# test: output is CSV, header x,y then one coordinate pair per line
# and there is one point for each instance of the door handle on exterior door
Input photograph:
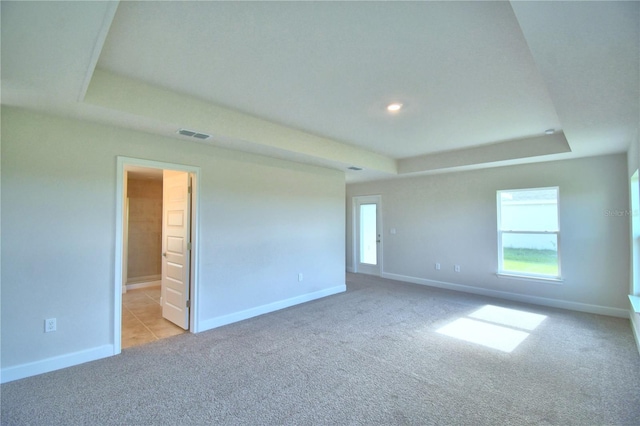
x,y
164,254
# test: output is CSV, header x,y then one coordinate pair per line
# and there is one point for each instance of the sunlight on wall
x,y
494,327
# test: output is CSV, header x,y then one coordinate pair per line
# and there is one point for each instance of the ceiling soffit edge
x,y
126,95
110,12
490,153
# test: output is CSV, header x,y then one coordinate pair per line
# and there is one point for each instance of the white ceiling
x,y
480,81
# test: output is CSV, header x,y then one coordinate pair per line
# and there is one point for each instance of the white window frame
x,y
516,274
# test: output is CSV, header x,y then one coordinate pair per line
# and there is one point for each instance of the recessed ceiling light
x,y
394,107
550,131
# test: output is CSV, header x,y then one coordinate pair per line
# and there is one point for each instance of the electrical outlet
x,y
437,266
456,268
49,325
300,277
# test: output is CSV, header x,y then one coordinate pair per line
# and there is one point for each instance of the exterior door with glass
x,y
368,233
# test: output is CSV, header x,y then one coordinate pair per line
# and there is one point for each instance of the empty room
x,y
320,213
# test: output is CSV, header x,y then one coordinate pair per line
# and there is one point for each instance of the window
x,y
529,233
635,233
635,241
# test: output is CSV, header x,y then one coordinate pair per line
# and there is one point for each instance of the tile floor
x,y
142,320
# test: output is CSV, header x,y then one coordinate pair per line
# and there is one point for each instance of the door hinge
x,y
188,304
188,246
189,189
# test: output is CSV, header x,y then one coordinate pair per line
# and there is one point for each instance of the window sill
x,y
549,280
635,303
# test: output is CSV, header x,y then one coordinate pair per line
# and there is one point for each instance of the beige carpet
x,y
381,353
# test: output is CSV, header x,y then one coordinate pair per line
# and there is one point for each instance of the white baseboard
x,y
144,284
21,371
535,300
265,309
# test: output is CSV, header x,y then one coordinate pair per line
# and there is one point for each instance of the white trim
x,y
29,369
125,233
270,307
351,269
194,292
122,163
354,236
119,259
144,284
107,19
542,278
554,303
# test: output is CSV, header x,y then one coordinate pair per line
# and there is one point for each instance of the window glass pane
x,y
635,231
368,234
635,206
529,210
530,253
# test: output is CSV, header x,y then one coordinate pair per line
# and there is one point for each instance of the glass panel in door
x,y
368,234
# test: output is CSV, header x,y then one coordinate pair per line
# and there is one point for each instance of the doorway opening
x,y
367,244
156,256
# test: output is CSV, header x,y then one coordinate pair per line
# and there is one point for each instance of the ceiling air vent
x,y
193,134
355,168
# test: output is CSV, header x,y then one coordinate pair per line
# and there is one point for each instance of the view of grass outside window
x,y
528,232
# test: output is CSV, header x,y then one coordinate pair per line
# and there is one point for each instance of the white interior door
x,y
368,240
176,250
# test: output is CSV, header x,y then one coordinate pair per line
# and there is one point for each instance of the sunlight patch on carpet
x,y
509,317
494,327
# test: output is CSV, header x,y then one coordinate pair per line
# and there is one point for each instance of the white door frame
x,y
122,164
356,231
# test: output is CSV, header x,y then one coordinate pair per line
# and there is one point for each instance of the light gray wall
x,y
451,219
262,221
